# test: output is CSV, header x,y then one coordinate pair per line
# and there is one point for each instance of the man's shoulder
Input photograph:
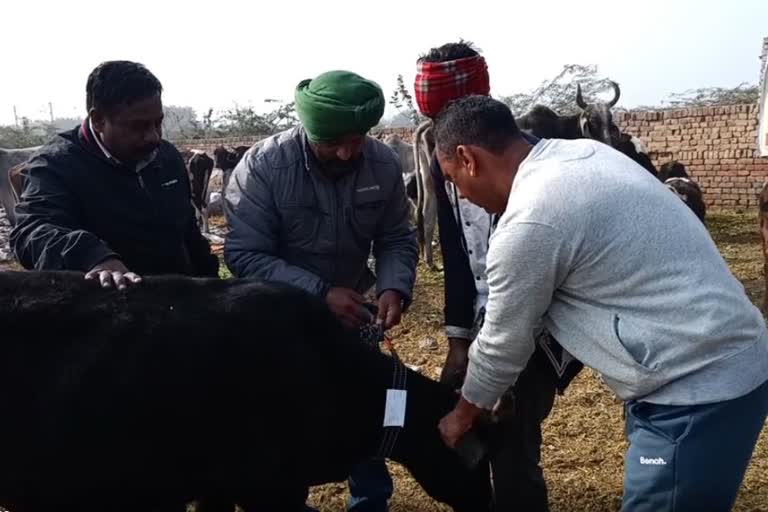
x,y
169,149
64,143
381,156
169,154
278,151
376,149
557,163
558,151
63,150
275,152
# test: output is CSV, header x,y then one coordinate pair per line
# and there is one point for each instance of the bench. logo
x,y
658,461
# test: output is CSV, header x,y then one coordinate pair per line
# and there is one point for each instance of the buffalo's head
x,y
596,120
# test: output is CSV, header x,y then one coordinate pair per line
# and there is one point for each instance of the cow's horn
x,y
616,94
579,99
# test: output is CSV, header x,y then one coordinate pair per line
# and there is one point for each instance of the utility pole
x,y
15,117
50,110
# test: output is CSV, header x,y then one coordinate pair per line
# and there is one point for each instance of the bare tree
x,y
402,100
283,117
709,96
559,92
181,122
30,133
245,121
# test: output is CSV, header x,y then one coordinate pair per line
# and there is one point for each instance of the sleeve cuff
x,y
406,298
323,289
477,391
453,331
98,255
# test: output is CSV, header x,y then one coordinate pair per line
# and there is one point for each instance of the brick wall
x,y
208,145
406,134
716,144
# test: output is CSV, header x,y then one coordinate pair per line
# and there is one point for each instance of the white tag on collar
x,y
394,411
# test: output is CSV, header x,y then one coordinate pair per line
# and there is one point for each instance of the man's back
x,y
644,295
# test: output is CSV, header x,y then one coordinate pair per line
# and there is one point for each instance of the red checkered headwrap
x,y
437,83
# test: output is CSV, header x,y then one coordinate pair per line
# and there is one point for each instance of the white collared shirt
x,y
476,225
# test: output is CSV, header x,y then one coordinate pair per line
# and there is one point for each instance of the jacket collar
x,y
95,137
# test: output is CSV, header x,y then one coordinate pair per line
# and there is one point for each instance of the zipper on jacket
x,y
143,186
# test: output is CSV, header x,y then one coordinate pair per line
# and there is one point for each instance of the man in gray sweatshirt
x,y
629,281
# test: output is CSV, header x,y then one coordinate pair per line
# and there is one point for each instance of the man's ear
x,y
98,119
467,159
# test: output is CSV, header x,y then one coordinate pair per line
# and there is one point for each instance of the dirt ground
x,y
583,444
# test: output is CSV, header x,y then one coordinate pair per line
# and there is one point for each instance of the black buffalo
x,y
179,389
227,160
594,120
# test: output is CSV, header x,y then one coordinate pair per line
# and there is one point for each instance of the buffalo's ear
x,y
477,444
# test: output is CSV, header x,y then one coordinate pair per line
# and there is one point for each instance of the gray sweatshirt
x,y
623,275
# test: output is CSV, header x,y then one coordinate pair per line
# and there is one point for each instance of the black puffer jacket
x,y
79,208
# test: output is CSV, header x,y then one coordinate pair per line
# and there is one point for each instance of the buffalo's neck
x,y
367,376
427,403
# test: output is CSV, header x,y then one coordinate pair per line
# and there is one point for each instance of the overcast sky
x,y
215,53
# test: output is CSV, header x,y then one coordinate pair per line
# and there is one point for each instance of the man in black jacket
x,y
110,197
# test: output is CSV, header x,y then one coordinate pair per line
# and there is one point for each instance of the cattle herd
x,y
257,455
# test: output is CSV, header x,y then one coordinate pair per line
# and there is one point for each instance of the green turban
x,y
338,103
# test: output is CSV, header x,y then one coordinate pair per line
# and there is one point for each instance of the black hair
x,y
451,51
475,120
119,82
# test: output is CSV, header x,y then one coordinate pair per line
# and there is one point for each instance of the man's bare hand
x,y
347,305
458,422
112,273
390,309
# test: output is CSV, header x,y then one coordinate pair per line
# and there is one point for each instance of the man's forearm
x,y
48,247
489,376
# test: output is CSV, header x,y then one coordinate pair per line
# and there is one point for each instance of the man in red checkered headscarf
x,y
449,72
440,81
446,73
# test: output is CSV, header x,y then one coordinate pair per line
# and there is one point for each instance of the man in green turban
x,y
338,104
309,206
